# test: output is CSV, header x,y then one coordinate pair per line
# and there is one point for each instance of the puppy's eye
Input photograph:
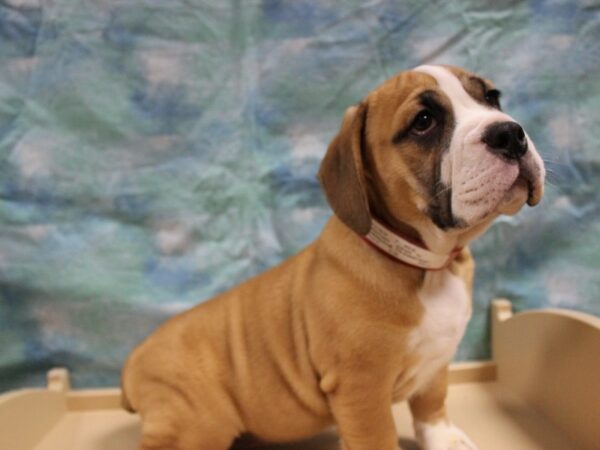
x,y
423,123
492,97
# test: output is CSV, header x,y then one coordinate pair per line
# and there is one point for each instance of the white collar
x,y
401,249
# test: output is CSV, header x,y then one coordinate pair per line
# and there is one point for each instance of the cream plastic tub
x,y
540,391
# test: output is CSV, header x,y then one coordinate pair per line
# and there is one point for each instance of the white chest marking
x,y
447,310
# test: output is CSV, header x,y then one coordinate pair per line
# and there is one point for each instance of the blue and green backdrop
x,y
156,152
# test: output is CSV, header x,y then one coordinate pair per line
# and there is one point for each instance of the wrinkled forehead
x,y
464,89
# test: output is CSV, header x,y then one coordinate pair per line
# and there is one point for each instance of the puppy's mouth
x,y
527,188
497,187
532,178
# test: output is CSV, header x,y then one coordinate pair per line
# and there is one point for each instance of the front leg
x,y
433,430
362,411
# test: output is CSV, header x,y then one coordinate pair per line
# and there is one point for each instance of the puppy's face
x,y
431,144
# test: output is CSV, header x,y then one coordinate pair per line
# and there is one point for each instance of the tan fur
x,y
319,339
430,407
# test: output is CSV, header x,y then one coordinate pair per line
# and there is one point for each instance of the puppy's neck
x,y
422,230
347,250
418,228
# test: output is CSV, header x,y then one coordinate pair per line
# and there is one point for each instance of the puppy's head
x,y
431,146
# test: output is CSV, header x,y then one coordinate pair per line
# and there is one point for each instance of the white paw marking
x,y
442,436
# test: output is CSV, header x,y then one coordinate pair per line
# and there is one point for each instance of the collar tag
x,y
405,251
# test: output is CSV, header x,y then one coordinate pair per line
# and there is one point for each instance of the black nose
x,y
507,139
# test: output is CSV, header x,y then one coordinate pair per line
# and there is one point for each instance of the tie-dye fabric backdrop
x,y
156,152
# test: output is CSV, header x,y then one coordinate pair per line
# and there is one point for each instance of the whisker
x,y
552,172
556,179
556,163
441,192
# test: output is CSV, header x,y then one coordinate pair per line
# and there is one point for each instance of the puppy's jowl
x,y
372,311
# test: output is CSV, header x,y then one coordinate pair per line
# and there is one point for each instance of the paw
x,y
442,436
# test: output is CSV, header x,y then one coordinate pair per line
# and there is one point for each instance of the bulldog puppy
x,y
373,310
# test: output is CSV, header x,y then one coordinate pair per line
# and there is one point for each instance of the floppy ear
x,y
342,173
